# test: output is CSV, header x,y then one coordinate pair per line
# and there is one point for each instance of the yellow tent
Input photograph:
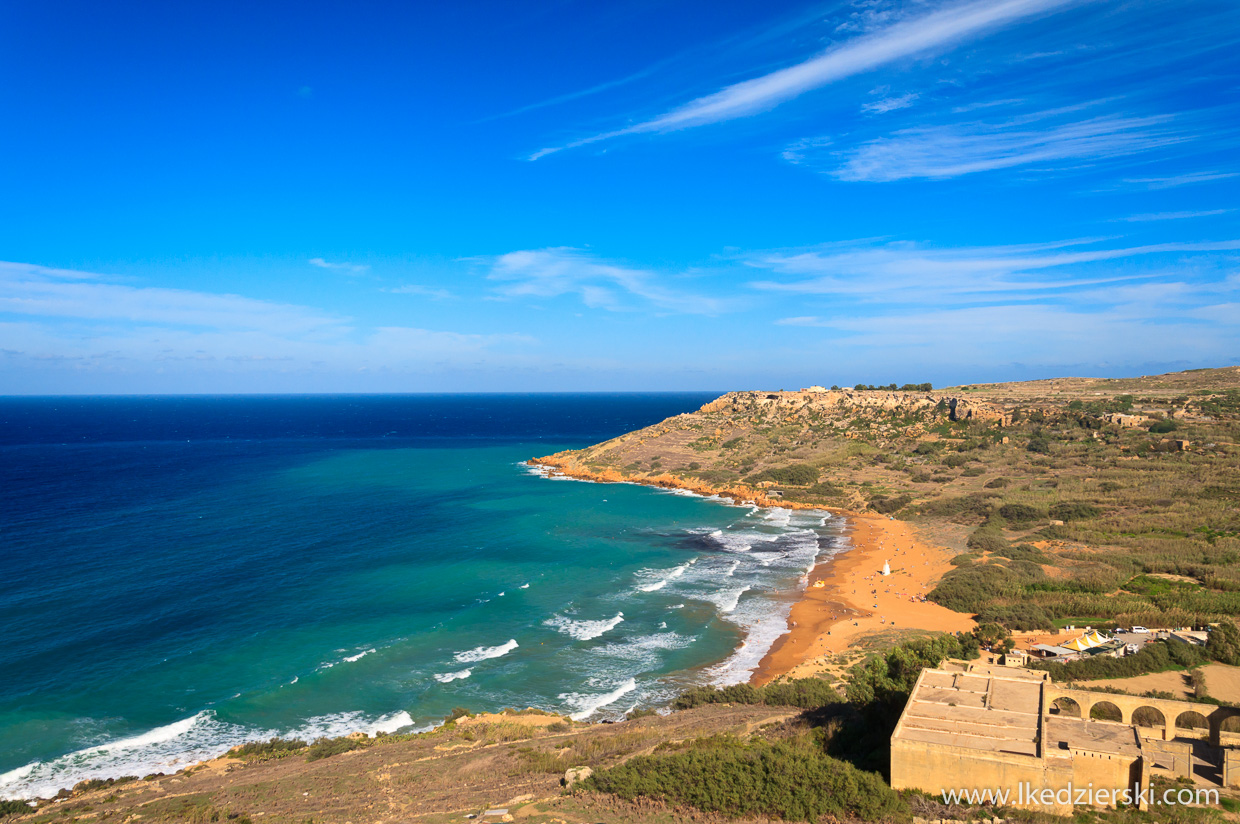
x,y
1089,640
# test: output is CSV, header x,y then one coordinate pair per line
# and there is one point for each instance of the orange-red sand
x,y
856,599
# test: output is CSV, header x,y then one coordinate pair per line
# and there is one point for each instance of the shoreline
x,y
846,597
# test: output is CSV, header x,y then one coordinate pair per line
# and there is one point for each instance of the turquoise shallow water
x,y
169,599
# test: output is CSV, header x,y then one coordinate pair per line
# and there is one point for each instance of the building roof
x,y
1053,650
976,710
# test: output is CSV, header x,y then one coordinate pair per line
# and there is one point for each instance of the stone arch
x,y
1148,717
1063,705
1230,723
1191,720
1105,711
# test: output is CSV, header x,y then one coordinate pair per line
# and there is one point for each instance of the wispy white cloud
x,y
547,273
901,273
937,30
890,104
419,289
350,268
1180,180
79,318
27,289
1043,333
1154,216
939,152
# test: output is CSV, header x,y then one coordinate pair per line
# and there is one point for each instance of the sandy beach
x,y
848,597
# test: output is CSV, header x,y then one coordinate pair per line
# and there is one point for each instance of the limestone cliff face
x,y
838,402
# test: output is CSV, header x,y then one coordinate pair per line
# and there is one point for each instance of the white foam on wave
x,y
778,516
586,704
359,656
726,600
739,541
446,677
174,746
524,586
640,654
772,551
663,576
483,653
584,630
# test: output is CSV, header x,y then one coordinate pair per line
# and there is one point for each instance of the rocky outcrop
x,y
840,402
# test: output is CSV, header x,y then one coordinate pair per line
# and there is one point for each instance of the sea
x,y
179,575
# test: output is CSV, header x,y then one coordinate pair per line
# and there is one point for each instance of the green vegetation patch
x,y
792,780
807,693
793,475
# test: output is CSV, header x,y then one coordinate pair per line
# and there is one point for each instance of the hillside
x,y
1063,496
509,760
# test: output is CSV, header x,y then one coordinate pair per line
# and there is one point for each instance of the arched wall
x,y
1128,704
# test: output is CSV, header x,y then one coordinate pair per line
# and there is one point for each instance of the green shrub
x,y
973,472
1022,616
645,712
826,489
734,694
996,483
1223,644
791,780
13,807
987,538
970,589
327,747
955,460
1039,444
271,747
807,693
1075,511
885,505
1024,552
793,475
1021,513
1163,427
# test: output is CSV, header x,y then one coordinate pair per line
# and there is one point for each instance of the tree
x,y
989,635
1224,643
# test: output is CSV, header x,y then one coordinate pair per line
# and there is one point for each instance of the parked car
x,y
1141,630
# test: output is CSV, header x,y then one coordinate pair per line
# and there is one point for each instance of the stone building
x,y
971,726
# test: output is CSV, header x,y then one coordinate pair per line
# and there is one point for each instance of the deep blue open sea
x,y
182,574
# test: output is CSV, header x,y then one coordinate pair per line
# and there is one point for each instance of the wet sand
x,y
856,599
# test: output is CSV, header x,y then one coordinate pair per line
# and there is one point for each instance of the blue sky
x,y
375,197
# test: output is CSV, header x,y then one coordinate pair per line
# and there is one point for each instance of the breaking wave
x,y
584,630
586,705
174,746
664,576
483,653
446,677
